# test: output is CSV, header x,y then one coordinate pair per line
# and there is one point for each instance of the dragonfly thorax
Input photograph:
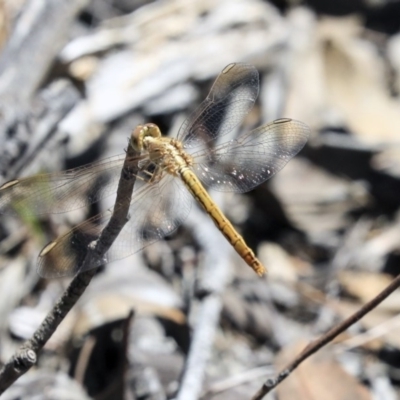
x,y
166,153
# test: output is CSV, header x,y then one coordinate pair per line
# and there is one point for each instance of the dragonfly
x,y
169,173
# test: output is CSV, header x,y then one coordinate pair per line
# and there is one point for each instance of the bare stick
x,y
208,305
27,354
33,132
125,366
39,34
317,344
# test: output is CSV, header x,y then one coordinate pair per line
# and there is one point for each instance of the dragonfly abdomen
x,y
200,194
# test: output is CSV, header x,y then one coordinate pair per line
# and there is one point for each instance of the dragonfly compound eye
x,y
137,138
152,130
141,132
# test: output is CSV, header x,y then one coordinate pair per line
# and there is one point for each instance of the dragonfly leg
x,y
156,175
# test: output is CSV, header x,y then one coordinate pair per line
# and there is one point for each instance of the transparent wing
x,y
62,191
156,210
242,164
231,98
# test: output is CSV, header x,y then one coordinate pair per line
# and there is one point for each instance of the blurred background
x,y
77,76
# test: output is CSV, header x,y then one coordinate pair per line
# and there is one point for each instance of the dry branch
x,y
27,355
317,344
209,304
40,32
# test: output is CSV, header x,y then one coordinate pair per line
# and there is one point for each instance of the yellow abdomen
x,y
200,194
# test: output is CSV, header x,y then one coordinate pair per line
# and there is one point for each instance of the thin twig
x,y
119,388
317,344
376,332
233,381
208,306
125,368
83,359
27,354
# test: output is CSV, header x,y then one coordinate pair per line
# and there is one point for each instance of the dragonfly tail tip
x,y
259,269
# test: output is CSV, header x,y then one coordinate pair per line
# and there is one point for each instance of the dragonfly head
x,y
141,132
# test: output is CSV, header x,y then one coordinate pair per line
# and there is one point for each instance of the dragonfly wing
x,y
156,210
62,191
242,164
231,98
156,214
